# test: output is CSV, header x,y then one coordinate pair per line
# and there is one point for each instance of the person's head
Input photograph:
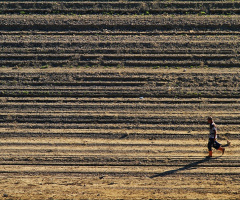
x,y
210,120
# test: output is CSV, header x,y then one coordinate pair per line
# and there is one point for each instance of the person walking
x,y
213,138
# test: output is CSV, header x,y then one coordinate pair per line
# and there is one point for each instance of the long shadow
x,y
186,167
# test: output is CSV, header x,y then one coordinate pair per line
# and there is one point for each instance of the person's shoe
x,y
210,154
221,149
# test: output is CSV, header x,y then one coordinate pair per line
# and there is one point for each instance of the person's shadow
x,y
186,167
189,166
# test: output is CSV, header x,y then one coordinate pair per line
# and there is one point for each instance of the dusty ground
x,y
83,147
109,100
73,168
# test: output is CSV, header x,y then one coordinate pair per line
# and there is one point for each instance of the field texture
x,y
109,99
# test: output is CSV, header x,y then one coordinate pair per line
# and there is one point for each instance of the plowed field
x,y
109,99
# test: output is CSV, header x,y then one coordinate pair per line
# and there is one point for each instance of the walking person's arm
x,y
215,134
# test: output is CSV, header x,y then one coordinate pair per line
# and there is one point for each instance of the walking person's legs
x,y
210,144
217,146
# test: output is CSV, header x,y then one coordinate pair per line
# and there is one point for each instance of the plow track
x,y
119,41
109,99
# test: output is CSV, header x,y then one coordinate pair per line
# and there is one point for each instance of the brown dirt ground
x,y
124,160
